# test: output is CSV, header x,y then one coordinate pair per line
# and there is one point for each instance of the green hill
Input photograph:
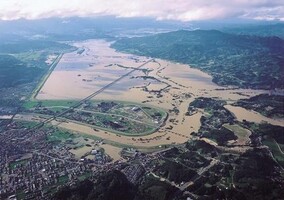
x,y
260,30
240,60
14,72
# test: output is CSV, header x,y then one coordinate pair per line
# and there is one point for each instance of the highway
x,y
44,79
89,97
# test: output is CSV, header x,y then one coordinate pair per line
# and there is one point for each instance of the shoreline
x,y
45,77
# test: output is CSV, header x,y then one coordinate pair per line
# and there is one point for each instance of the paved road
x,y
90,96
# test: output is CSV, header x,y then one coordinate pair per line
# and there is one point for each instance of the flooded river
x,y
170,86
252,116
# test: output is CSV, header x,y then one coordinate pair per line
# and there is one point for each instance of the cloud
x,y
183,10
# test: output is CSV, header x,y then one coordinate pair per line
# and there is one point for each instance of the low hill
x,y
240,60
265,30
14,72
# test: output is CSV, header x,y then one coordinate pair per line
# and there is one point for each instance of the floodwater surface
x,y
167,85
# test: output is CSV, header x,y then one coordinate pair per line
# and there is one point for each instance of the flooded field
x,y
80,73
160,83
112,151
252,116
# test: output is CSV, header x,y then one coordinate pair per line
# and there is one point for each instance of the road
x,y
199,174
44,79
110,114
90,96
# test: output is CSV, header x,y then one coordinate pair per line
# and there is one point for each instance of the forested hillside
x,y
240,60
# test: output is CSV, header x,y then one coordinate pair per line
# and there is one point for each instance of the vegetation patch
x,y
47,103
275,149
212,123
14,72
269,135
242,133
119,117
60,135
267,105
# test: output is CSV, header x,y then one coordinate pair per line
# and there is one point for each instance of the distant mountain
x,y
240,60
259,30
81,28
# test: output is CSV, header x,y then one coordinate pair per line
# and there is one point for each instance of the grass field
x,y
123,118
27,124
60,135
239,131
242,133
275,149
48,103
13,165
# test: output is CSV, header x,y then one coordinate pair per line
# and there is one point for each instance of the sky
x,y
181,10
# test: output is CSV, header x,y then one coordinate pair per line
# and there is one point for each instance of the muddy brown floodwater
x,y
167,85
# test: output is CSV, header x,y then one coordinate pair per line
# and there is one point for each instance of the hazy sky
x,y
183,10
